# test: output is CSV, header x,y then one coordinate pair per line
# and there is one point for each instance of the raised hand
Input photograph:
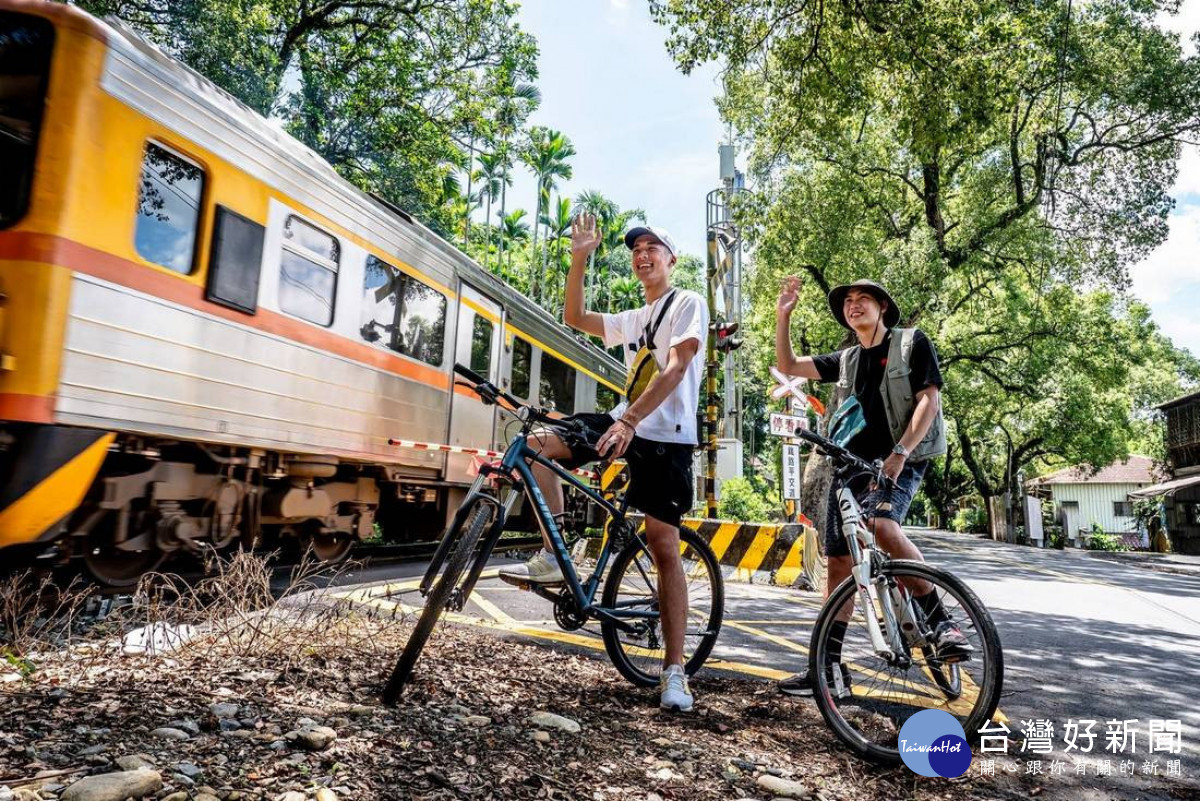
x,y
788,294
585,236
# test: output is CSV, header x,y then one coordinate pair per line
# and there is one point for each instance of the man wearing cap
x,y
894,375
654,428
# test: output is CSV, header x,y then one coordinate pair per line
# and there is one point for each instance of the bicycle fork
x,y
887,645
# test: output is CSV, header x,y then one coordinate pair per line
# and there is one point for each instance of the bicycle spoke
x,y
884,692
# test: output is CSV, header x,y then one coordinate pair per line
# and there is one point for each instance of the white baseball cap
x,y
646,230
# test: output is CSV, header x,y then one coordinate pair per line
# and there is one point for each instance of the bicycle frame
x,y
889,645
515,468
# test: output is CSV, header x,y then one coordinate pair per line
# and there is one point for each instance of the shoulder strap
x,y
907,335
651,332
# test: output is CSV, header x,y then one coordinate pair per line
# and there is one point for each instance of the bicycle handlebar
x,y
845,457
489,393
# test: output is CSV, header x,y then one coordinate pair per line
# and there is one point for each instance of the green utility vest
x,y
896,389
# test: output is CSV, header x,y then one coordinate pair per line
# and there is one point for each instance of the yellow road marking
x,y
503,622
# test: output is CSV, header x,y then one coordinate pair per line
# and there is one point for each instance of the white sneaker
x,y
541,569
673,685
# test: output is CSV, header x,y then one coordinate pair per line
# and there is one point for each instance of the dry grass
x,y
242,609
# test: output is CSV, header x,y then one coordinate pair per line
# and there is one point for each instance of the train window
x,y
235,262
606,398
401,313
557,385
308,272
25,46
481,345
168,209
522,367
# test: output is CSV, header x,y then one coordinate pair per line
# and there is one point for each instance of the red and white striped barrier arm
x,y
434,446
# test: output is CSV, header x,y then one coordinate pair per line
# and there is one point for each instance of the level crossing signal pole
x,y
723,284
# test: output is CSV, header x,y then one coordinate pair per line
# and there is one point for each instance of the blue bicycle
x,y
628,611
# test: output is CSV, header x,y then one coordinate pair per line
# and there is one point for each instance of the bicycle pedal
x,y
517,581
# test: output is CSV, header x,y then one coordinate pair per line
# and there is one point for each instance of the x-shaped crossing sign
x,y
788,385
794,386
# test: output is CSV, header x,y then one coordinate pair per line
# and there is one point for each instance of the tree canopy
x,y
998,166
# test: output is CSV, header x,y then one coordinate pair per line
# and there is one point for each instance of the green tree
x,y
491,175
996,165
557,221
546,156
518,102
515,231
393,94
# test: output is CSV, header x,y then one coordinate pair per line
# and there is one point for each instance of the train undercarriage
x,y
151,499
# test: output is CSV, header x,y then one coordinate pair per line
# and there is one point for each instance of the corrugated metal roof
x,y
1134,470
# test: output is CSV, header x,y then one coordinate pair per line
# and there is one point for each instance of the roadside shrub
x,y
1055,537
969,520
1098,540
740,501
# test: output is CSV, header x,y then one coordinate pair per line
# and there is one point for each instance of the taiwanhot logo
x,y
932,743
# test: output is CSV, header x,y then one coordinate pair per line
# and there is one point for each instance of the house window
x,y
522,367
557,385
308,272
403,314
168,212
1123,508
1191,513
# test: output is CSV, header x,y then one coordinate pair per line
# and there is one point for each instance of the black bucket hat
x,y
837,298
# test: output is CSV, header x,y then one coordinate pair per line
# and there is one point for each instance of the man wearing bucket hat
x,y
654,427
889,400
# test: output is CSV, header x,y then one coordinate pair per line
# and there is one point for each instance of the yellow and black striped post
x,y
710,386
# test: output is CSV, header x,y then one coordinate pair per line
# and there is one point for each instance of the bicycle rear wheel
x,y
443,589
867,698
632,586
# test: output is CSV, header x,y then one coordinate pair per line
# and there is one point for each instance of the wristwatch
x,y
900,449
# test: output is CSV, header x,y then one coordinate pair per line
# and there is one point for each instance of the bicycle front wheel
x,y
632,588
866,698
459,554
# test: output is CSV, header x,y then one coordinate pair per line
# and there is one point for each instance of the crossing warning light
x,y
726,336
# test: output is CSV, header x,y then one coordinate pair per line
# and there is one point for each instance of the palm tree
x,y
546,156
592,202
514,229
491,175
626,292
517,104
557,220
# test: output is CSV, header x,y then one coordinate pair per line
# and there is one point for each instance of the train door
x,y
477,345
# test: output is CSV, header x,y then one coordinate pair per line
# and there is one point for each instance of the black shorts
x,y
660,473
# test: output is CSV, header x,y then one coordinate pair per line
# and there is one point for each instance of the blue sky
x,y
647,137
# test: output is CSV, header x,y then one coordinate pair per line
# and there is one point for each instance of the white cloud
x,y
1169,279
616,12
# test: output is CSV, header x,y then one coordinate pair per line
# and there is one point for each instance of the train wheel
x,y
113,567
330,548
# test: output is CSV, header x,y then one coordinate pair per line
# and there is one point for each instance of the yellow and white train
x,y
208,337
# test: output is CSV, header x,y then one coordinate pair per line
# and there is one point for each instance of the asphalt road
x,y
1084,639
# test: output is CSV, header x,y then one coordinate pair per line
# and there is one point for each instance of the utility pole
x,y
724,291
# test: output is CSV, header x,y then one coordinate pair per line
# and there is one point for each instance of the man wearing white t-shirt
x,y
655,433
